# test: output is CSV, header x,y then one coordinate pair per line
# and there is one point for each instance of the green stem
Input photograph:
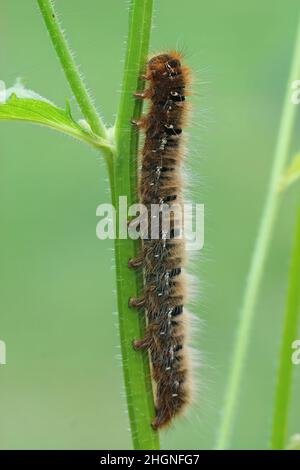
x,y
71,70
259,256
123,182
132,323
284,379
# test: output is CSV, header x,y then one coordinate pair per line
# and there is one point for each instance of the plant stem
x,y
284,379
132,323
71,70
259,256
123,181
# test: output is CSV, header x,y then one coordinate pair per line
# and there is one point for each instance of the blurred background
x,y
62,387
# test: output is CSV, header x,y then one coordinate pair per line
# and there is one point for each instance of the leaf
x,y
20,91
291,174
20,104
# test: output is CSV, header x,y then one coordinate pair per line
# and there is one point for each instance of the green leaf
x,y
292,173
41,111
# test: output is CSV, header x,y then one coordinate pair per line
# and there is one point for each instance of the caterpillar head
x,y
165,65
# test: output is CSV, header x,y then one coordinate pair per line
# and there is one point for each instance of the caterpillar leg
x,y
138,123
141,344
141,95
136,263
136,302
162,419
155,424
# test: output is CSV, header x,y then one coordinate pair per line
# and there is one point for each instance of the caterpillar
x,y
164,258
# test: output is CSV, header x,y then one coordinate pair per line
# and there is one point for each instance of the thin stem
x,y
284,379
71,70
259,256
132,323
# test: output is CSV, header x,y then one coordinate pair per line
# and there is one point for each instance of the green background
x,y
62,386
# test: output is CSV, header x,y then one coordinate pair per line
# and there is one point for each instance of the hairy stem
x,y
259,257
132,323
70,68
291,320
122,170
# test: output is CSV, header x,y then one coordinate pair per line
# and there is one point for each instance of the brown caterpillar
x,y
162,259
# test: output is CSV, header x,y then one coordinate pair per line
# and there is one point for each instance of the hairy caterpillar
x,y
162,259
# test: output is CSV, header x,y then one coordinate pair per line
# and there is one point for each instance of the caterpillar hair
x,y
164,258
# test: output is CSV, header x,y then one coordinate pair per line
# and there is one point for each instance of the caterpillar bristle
x,y
163,259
